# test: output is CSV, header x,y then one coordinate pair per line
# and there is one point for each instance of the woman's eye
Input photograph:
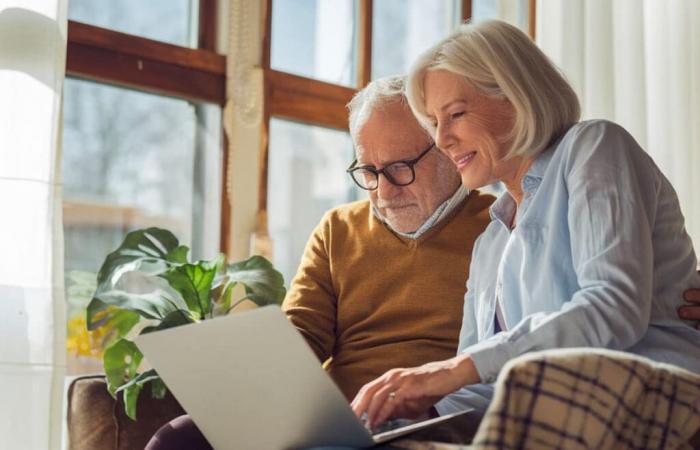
x,y
457,115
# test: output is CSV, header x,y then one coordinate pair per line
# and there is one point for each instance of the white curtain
x,y
636,62
32,322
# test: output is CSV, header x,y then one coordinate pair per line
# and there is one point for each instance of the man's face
x,y
392,134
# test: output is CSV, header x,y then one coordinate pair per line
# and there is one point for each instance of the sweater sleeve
x,y
311,301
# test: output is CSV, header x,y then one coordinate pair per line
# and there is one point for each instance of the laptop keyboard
x,y
389,425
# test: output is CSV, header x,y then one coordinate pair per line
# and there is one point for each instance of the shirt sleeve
x,y
475,396
612,189
311,302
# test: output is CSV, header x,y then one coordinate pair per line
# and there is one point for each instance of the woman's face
x,y
471,128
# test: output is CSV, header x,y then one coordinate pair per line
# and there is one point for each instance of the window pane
x,y
306,178
512,11
172,21
402,29
131,160
315,39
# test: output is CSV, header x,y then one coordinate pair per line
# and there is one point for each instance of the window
x,y
402,29
142,140
307,164
315,39
515,12
161,20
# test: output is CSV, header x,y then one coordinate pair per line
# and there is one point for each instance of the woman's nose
x,y
443,137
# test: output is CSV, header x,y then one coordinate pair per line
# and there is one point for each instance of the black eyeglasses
x,y
398,173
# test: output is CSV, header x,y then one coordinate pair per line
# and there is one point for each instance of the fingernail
x,y
683,313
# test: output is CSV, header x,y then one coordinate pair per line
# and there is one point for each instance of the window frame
x,y
196,74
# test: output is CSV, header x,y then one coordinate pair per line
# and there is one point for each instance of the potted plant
x,y
148,284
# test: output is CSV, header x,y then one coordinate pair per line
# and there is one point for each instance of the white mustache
x,y
393,203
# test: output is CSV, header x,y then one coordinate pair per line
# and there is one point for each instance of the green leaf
x,y
174,319
121,361
80,286
118,323
263,284
193,282
178,255
222,296
152,305
132,390
148,249
158,388
123,321
131,398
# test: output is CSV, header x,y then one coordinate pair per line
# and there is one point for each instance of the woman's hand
x,y
411,392
691,311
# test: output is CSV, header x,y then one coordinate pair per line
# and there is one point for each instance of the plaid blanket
x,y
591,399
587,399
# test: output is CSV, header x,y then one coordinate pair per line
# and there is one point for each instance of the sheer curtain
x,y
636,62
32,330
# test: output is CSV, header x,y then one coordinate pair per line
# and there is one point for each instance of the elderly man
x,y
381,281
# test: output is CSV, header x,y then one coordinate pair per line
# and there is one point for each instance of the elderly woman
x,y
586,247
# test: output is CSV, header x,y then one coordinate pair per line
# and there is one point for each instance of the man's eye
x,y
457,115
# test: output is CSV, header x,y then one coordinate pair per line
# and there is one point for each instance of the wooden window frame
x,y
109,56
466,10
532,18
121,59
195,74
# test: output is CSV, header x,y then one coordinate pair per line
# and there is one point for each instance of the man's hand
x,y
691,311
411,392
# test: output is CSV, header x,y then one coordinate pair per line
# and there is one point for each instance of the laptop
x,y
250,381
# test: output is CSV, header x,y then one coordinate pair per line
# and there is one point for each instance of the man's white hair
x,y
502,62
374,97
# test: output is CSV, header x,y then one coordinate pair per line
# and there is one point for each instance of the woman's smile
x,y
464,159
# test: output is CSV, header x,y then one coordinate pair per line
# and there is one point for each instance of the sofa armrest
x,y
97,421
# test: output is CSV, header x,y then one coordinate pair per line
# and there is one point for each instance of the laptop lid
x,y
249,380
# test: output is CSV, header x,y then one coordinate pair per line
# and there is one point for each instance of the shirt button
x,y
530,183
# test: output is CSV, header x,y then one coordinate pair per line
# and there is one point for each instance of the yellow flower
x,y
82,342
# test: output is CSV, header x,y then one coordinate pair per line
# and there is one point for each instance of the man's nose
x,y
385,189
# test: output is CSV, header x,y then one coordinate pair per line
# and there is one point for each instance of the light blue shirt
x,y
599,257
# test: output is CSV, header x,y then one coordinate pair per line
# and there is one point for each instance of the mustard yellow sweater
x,y
371,300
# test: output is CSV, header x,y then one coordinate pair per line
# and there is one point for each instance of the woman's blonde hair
x,y
503,62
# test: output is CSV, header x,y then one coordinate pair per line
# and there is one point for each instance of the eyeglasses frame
x,y
409,162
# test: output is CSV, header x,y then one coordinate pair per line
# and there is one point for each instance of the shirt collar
x,y
539,166
438,215
504,207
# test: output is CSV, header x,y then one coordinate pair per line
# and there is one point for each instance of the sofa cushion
x,y
97,421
